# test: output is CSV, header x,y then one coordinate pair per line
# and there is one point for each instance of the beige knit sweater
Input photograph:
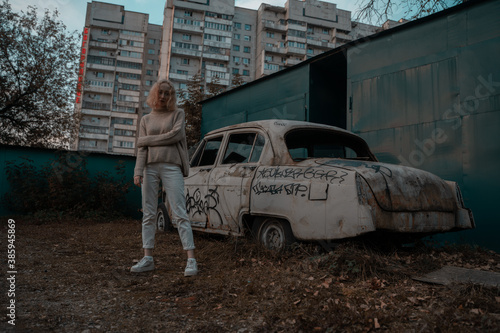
x,y
162,138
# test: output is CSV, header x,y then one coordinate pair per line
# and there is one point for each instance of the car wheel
x,y
275,234
163,222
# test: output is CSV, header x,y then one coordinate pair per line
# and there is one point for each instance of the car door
x,y
230,180
199,198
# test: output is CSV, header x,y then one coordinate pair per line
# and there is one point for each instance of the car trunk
x,y
398,188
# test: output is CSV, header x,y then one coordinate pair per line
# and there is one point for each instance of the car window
x,y
239,148
257,148
243,148
314,143
208,154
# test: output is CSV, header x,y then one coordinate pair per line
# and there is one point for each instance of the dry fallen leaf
x,y
375,323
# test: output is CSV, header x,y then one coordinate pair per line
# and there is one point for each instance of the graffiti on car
x,y
198,204
331,176
288,189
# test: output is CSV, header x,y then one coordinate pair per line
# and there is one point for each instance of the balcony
x,y
128,104
274,26
186,52
217,68
218,32
320,44
295,50
110,67
214,56
296,27
279,50
292,62
100,90
218,81
197,29
217,44
180,77
103,45
93,136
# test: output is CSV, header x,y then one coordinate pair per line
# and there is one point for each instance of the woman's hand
x,y
138,180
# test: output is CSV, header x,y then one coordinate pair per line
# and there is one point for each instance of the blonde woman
x,y
162,155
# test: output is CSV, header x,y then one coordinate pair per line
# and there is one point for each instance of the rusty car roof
x,y
278,126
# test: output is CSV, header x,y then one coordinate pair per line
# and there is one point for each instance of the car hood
x,y
399,188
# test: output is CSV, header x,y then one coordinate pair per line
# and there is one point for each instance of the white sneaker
x,y
191,267
144,265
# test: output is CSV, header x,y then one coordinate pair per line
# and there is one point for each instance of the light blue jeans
x,y
173,183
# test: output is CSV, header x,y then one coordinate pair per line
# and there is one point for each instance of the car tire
x,y
274,234
163,222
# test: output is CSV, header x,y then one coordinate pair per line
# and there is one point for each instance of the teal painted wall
x,y
95,163
428,96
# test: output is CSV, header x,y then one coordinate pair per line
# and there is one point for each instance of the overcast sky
x,y
72,12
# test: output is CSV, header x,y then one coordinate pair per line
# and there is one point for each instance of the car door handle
x,y
205,169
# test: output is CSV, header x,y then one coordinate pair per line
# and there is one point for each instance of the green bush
x,y
61,188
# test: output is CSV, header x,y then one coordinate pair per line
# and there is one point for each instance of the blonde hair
x,y
153,97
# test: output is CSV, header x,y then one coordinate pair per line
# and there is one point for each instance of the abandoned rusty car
x,y
290,180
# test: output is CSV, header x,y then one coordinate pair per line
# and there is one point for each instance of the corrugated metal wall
x,y
428,96
425,94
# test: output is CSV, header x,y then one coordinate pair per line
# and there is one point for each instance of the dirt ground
x,y
73,276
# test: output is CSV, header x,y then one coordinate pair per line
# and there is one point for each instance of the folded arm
x,y
165,139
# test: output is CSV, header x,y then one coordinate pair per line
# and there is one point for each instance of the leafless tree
x,y
378,11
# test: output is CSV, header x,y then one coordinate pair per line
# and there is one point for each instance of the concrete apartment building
x,y
216,39
119,64
123,55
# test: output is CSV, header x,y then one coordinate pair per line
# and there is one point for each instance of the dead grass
x,y
74,276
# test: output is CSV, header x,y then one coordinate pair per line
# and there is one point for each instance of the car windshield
x,y
319,143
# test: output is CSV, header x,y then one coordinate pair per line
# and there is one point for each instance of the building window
x,y
182,72
182,86
270,34
236,59
186,37
151,62
236,47
248,27
269,58
246,61
269,45
152,41
149,82
236,71
130,54
248,38
151,51
237,36
185,61
122,132
126,144
310,29
326,31
246,49
99,74
246,72
310,51
237,25
188,13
